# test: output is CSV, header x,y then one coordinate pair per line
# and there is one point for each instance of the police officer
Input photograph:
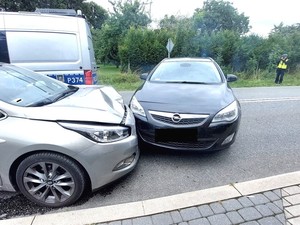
x,y
281,68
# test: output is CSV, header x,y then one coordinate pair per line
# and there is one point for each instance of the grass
x,y
111,75
267,80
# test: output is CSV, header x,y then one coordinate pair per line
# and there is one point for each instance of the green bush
x,y
112,76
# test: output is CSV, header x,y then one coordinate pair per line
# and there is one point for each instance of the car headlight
x,y
99,133
136,107
228,114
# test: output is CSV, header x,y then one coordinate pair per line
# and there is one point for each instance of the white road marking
x,y
281,99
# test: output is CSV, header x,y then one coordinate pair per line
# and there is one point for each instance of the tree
x,y
129,14
106,44
31,5
95,14
250,55
286,39
141,49
125,15
18,5
185,39
219,15
169,22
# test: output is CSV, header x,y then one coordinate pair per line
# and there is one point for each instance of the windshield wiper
x,y
66,93
46,101
187,82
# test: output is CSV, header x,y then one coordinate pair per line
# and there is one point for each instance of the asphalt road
x,y
267,144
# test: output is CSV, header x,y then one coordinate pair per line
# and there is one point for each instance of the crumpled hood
x,y
185,98
89,103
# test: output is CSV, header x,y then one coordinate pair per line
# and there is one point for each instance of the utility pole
x,y
169,46
150,4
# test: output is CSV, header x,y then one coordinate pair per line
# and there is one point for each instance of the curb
x,y
159,205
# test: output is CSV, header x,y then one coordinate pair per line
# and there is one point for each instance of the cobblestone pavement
x,y
267,201
276,207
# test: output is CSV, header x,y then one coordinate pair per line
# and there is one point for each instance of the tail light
x,y
88,77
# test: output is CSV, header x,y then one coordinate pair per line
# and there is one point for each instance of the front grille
x,y
199,145
168,120
185,119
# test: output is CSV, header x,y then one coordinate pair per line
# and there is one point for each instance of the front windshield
x,y
22,87
186,72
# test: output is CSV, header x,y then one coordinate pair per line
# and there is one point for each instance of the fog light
x,y
124,163
228,139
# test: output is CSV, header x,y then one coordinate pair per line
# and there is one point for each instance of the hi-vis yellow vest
x,y
282,64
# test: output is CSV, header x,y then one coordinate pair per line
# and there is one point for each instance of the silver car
x,y
58,141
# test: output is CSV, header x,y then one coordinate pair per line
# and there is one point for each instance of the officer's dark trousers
x,y
279,75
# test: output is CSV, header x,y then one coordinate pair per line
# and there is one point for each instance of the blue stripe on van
x,y
75,79
95,78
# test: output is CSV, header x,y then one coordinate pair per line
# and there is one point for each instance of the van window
x,y
3,48
32,46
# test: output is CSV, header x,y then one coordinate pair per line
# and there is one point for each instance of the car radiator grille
x,y
181,122
178,119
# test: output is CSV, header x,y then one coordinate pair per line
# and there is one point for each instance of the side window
x,y
3,48
29,47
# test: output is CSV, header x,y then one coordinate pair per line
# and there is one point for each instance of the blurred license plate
x,y
176,135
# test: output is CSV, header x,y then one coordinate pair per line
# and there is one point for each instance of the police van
x,y
54,42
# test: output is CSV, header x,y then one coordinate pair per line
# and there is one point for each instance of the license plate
x,y
176,135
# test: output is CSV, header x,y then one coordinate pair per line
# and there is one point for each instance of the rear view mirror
x,y
231,78
144,76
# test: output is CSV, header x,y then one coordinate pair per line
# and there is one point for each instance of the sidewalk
x,y
268,201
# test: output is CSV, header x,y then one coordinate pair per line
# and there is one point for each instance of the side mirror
x,y
231,78
2,115
144,76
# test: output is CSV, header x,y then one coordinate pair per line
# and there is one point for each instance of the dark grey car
x,y
187,104
58,140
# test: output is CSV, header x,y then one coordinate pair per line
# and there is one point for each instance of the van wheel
x,y
50,179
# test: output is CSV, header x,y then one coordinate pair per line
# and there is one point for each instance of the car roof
x,y
189,59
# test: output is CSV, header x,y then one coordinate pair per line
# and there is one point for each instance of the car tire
x,y
50,179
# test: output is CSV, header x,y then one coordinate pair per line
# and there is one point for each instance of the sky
x,y
263,14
